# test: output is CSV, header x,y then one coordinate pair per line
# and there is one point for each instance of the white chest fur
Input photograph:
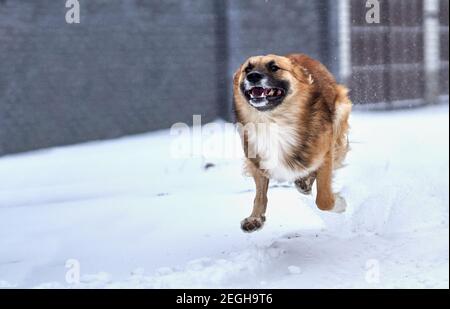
x,y
273,143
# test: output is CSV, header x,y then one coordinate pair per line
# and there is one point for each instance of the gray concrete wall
x,y
133,66
258,27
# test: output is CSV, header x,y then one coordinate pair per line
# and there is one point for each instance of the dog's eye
x,y
274,67
248,69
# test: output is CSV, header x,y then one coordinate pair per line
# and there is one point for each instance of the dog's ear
x,y
317,76
237,116
236,76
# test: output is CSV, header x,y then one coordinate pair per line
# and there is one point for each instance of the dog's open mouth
x,y
260,93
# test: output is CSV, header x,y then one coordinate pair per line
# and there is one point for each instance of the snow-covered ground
x,y
130,215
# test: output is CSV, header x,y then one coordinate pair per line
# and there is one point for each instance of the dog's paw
x,y
340,205
252,224
304,185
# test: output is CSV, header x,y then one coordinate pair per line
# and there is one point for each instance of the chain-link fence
x,y
136,66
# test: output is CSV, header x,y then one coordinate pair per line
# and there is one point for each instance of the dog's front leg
x,y
257,218
326,200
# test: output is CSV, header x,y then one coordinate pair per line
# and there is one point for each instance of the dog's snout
x,y
254,77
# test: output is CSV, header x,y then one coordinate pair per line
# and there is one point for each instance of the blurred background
x,y
133,66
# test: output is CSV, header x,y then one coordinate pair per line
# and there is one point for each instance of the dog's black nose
x,y
254,77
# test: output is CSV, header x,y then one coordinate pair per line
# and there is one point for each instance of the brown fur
x,y
317,109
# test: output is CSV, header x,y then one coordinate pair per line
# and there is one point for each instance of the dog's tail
x,y
343,107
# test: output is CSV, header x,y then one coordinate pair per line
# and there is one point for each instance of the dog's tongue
x,y
257,91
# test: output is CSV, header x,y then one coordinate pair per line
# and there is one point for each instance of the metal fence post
x,y
431,50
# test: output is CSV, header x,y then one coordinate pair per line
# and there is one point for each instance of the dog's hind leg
x,y
304,185
257,218
326,200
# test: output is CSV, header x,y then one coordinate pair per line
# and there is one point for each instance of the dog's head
x,y
266,82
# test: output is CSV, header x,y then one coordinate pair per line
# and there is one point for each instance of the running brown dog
x,y
293,121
